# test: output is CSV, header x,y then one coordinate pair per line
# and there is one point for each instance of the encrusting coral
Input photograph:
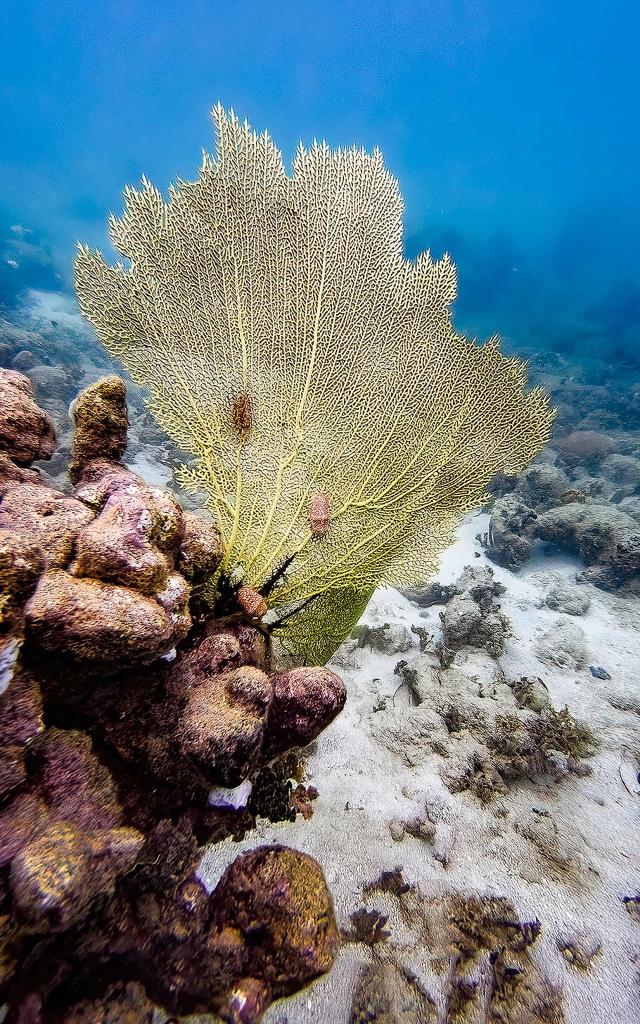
x,y
111,742
339,425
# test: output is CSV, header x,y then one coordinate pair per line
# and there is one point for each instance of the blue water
x,y
511,125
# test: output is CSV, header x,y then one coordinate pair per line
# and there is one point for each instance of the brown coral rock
x,y
52,383
223,722
121,1004
100,622
305,701
12,769
11,474
19,822
24,360
26,432
277,899
136,536
21,562
60,872
51,876
101,478
585,445
165,527
116,547
100,420
20,700
386,994
254,643
246,1001
48,518
201,549
174,598
214,654
76,786
102,824
226,646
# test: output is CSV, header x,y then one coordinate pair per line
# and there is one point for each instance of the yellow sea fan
x,y
288,344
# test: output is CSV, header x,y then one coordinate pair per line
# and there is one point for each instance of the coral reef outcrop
x,y
124,701
26,432
603,534
471,617
607,539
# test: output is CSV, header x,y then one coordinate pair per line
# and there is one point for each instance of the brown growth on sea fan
x,y
251,601
242,414
320,515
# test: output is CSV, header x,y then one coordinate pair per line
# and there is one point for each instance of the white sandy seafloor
x,y
364,786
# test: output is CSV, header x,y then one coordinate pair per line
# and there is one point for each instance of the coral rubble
x,y
124,703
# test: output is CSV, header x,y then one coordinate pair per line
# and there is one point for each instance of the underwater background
x,y
510,125
457,794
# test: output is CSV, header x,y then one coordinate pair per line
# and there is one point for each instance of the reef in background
x,y
123,704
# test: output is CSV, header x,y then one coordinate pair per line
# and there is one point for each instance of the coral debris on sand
x,y
111,742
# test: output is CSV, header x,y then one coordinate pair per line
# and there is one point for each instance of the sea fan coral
x,y
288,344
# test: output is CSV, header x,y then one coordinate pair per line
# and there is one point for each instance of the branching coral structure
x,y
338,423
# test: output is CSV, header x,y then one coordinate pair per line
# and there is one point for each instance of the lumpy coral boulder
x,y
511,532
100,419
119,596
223,722
50,519
124,698
67,847
304,701
59,873
119,546
26,432
471,617
94,621
606,538
604,535
277,899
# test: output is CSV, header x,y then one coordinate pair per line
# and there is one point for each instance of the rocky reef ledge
x,y
123,703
